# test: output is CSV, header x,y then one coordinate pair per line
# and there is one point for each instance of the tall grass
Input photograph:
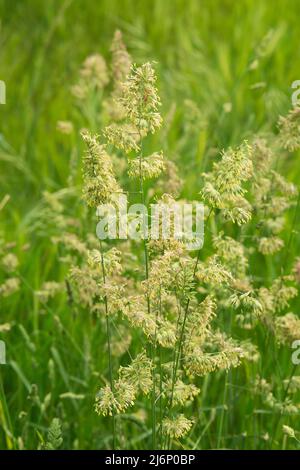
x,y
224,72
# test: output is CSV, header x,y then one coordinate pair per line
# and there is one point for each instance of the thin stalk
x,y
223,412
108,332
160,396
283,267
286,391
182,333
184,322
291,232
160,381
153,347
180,341
7,425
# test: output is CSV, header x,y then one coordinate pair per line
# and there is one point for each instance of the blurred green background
x,y
203,51
235,60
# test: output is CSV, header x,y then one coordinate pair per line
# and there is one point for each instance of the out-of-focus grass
x,y
205,51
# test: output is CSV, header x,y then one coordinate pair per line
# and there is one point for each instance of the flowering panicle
x,y
165,333
233,169
275,299
10,262
162,275
140,98
249,308
173,305
9,286
247,301
198,324
86,284
150,166
283,293
250,351
177,427
238,209
289,130
170,181
155,328
5,327
123,136
282,185
72,243
65,127
293,384
120,340
223,188
48,290
265,390
100,184
138,374
272,196
182,393
296,270
204,364
289,431
270,245
52,219
120,68
121,62
214,273
115,292
159,245
287,328
111,260
232,254
110,401
262,157
93,75
206,350
201,362
133,379
138,317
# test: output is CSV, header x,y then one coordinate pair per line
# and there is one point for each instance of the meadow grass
x,y
203,52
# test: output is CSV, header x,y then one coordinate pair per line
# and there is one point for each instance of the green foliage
x,y
224,72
